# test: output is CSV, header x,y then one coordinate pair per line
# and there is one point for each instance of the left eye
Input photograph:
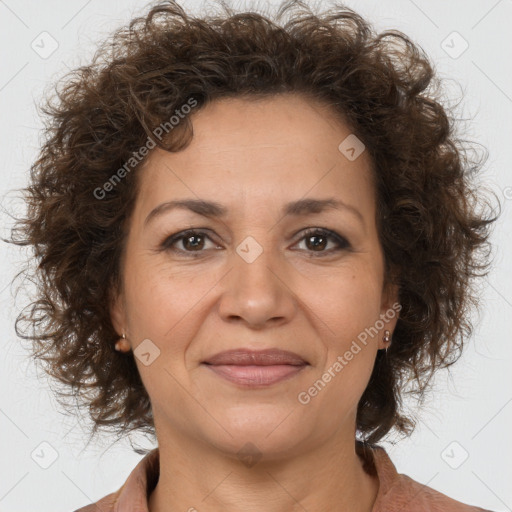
x,y
316,240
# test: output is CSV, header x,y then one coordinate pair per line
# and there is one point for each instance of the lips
x,y
256,369
243,357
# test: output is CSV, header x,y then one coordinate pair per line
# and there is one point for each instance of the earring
x,y
387,339
122,344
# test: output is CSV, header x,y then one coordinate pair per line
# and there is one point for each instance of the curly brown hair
x,y
433,225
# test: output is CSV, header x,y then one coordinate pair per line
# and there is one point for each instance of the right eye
x,y
192,241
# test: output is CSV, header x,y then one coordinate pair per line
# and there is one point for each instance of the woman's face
x,y
254,279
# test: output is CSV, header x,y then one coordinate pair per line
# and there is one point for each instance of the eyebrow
x,y
213,209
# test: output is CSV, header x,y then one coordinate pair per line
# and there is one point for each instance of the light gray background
x,y
471,407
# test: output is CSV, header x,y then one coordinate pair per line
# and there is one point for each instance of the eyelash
x,y
343,244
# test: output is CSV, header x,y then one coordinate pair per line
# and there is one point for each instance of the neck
x,y
199,478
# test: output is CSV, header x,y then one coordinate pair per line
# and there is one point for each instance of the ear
x,y
117,311
390,308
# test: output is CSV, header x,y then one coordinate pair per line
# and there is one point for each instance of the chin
x,y
269,435
256,447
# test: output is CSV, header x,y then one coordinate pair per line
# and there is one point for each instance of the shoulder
x,y
407,494
399,492
133,494
106,504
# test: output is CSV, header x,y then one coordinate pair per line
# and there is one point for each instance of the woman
x,y
251,236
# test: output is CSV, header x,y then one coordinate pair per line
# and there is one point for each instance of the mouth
x,y
244,357
256,368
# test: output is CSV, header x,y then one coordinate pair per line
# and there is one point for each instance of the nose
x,y
258,293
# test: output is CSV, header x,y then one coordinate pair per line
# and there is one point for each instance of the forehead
x,y
285,145
245,124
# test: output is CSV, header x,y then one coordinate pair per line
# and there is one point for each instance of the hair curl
x,y
434,235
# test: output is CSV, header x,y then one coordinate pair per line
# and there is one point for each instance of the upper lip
x,y
244,357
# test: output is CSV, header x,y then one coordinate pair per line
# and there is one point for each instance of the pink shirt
x,y
397,492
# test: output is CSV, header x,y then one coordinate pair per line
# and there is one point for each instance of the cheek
x,y
165,307
348,302
348,309
161,298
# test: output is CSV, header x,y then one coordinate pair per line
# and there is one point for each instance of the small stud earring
x,y
122,344
387,339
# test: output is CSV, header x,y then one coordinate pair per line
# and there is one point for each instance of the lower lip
x,y
255,376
